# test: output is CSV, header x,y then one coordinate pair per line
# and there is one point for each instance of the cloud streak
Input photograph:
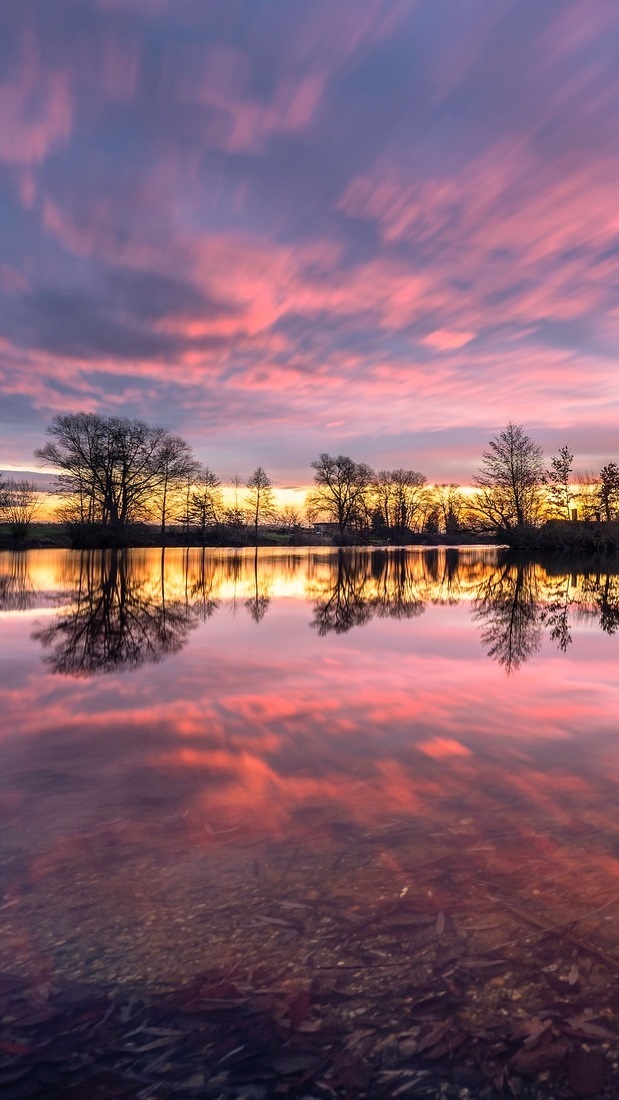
x,y
378,229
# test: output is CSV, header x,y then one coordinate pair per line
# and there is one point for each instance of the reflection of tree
x,y
115,619
362,585
603,590
258,604
398,590
518,600
584,590
445,571
17,592
555,613
132,607
344,605
608,604
508,607
202,591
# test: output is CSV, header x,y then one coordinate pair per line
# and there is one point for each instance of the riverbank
x,y
55,536
564,536
556,536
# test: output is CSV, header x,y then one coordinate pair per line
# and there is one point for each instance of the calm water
x,y
203,755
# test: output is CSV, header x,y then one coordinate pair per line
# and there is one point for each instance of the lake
x,y
341,820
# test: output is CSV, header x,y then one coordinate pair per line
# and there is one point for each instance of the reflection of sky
x,y
115,785
281,228
276,711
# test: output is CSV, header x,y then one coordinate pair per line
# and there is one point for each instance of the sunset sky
x,y
377,227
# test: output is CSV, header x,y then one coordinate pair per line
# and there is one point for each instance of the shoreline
x,y
53,537
553,537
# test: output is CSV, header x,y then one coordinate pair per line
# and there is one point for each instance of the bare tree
x,y
510,480
177,468
259,497
77,448
311,510
289,517
400,497
448,503
235,516
558,480
587,495
112,468
341,489
608,490
20,501
205,507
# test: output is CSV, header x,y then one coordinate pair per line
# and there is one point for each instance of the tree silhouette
x,y
259,498
558,479
400,497
448,501
608,490
113,470
509,482
206,504
341,490
20,502
177,468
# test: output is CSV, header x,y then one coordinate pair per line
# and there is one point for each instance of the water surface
x,y
221,759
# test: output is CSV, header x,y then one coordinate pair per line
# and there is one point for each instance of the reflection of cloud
x,y
277,732
355,758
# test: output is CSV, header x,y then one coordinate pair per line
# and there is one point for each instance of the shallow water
x,y
309,760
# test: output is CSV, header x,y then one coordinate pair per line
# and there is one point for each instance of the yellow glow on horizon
x,y
288,497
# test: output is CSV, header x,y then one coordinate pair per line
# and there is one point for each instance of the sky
x,y
382,228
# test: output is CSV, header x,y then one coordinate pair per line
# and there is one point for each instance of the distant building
x,y
326,528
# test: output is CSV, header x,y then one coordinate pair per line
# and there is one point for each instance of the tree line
x,y
115,472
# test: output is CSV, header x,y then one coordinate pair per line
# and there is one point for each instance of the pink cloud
x,y
447,339
36,108
346,256
236,121
495,225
